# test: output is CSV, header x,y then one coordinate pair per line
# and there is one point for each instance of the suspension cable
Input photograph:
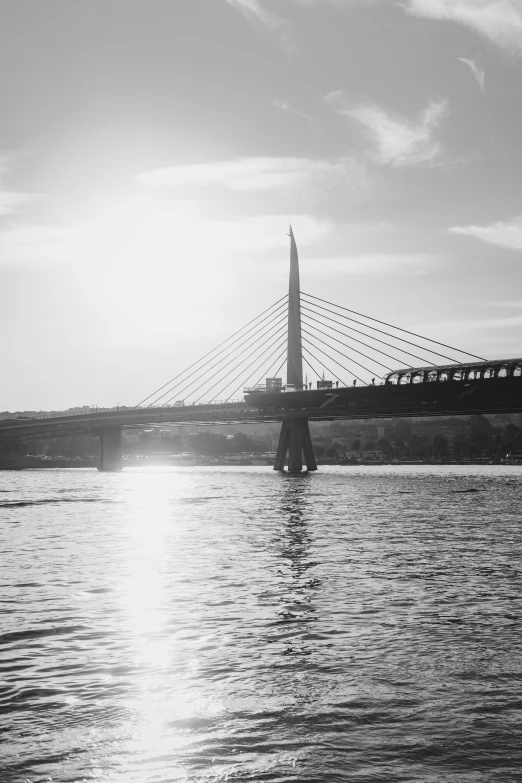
x,y
229,352
327,368
269,370
337,351
280,366
414,334
312,368
220,380
248,367
245,346
215,349
255,371
401,339
233,359
321,350
377,339
355,339
347,346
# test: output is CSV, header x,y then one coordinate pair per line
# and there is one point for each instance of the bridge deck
x,y
452,398
486,395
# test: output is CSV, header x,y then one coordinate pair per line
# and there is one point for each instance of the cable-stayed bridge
x,y
361,367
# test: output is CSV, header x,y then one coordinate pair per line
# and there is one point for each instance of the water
x,y
233,624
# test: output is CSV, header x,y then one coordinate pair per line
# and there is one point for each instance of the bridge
x,y
292,332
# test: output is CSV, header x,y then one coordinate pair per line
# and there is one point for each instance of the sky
x,y
152,155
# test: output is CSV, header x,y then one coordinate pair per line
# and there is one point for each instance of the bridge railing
x,y
107,412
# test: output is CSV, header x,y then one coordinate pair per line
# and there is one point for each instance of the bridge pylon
x,y
294,439
111,457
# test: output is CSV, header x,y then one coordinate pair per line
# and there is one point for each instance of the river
x,y
359,624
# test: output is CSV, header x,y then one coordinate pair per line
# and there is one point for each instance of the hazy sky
x,y
152,153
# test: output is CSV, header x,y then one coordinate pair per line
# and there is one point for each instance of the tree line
x,y
400,442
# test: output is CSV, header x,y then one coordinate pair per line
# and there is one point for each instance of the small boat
x,y
185,458
236,459
266,458
513,458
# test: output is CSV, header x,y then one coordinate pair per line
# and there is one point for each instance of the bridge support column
x,y
294,441
110,449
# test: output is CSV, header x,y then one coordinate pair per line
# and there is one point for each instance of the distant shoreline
x,y
37,464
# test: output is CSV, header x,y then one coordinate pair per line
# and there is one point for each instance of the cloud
x,y
500,21
240,174
268,185
499,233
255,10
285,107
261,11
153,237
476,71
339,3
258,175
399,141
333,96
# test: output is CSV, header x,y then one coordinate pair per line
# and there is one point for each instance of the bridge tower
x,y
294,439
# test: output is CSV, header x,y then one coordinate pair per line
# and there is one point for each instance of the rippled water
x,y
233,624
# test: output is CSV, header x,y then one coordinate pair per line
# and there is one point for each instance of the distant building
x,y
449,428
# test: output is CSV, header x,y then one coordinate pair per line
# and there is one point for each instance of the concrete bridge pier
x,y
295,441
111,455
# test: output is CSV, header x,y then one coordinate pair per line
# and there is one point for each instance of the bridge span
x,y
460,387
488,392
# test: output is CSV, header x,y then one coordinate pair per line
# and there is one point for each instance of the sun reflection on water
x,y
164,690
